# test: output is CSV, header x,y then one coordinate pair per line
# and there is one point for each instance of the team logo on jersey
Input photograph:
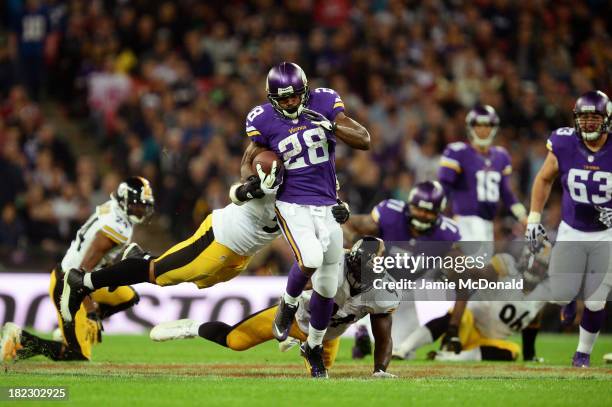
x,y
294,129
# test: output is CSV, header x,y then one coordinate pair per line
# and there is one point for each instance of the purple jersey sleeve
x,y
387,212
391,218
508,197
330,101
558,141
450,165
255,126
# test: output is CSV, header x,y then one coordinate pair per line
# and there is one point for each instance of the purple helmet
x,y
594,102
284,80
484,115
428,195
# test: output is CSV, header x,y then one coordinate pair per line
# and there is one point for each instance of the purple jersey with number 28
x,y
307,151
586,178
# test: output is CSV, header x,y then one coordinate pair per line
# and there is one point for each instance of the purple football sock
x,y
320,311
592,320
296,281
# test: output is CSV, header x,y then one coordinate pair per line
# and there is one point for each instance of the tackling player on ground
x,y
476,176
416,226
218,251
494,315
100,240
355,278
582,157
302,127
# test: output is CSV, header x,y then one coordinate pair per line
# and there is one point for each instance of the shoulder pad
x,y
559,138
114,225
564,131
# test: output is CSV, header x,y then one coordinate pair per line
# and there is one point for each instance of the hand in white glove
x,y
383,375
535,235
318,119
268,180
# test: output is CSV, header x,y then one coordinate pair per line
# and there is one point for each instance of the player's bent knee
x,y
312,260
325,284
595,306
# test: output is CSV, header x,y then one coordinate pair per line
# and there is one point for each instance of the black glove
x,y
451,341
341,212
320,120
250,189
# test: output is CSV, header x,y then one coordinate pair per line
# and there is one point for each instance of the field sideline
x,y
132,370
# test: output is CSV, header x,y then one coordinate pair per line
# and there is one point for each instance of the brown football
x,y
266,158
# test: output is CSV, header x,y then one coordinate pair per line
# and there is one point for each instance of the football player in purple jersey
x,y
302,127
416,226
582,157
476,176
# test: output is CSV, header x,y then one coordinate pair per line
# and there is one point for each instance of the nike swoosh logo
x,y
277,332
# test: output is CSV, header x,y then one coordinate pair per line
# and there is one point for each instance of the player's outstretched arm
x,y
352,133
543,183
383,344
363,225
451,341
98,248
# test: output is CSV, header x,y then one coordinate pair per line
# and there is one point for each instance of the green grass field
x,y
132,370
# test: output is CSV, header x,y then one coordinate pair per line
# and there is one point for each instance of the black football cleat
x,y
134,251
285,313
314,360
72,294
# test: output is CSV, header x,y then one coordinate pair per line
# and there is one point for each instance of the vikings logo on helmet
x,y
135,198
284,80
482,115
428,195
592,102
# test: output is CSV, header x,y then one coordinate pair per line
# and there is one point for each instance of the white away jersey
x,y
347,309
107,219
247,228
514,310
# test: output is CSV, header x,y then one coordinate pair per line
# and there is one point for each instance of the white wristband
x,y
519,211
534,217
232,194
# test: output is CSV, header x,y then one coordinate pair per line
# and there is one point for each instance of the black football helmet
x,y
135,198
359,262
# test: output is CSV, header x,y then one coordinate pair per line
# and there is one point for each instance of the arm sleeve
x,y
333,100
507,195
254,125
450,168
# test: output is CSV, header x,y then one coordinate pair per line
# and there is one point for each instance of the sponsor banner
x,y
24,299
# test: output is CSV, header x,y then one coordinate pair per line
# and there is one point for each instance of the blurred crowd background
x,y
94,90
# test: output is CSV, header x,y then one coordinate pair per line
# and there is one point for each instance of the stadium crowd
x,y
165,86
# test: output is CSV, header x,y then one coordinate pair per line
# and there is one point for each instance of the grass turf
x,y
131,370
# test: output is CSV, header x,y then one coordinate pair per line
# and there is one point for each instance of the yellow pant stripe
x,y
289,236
